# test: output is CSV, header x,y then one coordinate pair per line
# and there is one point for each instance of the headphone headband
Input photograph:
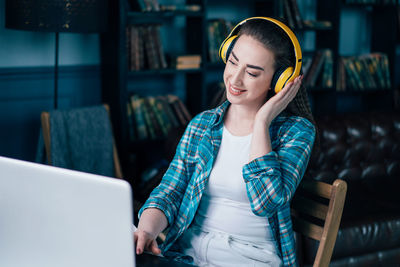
x,y
223,50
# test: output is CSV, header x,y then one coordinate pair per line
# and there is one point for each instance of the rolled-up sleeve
x,y
168,195
272,179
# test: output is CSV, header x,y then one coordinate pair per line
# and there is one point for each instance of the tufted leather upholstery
x,y
363,150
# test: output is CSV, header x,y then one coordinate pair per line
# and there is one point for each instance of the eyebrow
x,y
248,65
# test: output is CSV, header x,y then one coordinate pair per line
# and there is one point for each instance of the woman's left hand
x,y
279,102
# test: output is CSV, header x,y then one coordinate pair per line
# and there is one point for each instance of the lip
x,y
235,91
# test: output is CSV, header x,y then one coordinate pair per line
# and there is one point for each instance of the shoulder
x,y
204,119
294,125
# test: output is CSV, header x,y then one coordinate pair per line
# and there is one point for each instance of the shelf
x,y
195,84
366,91
168,71
151,17
314,28
320,90
350,91
360,5
215,65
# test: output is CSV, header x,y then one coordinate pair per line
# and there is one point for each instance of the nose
x,y
237,76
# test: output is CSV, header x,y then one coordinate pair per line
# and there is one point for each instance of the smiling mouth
x,y
235,91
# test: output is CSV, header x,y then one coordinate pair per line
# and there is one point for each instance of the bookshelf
x,y
380,28
185,32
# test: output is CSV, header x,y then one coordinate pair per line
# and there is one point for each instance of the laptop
x,y
57,217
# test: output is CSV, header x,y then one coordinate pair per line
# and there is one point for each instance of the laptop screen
x,y
56,217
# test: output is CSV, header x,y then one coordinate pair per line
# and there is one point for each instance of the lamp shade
x,y
57,15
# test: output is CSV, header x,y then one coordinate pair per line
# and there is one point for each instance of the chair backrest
x,y
45,120
316,213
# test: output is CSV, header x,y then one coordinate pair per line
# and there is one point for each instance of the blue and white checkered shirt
x,y
271,180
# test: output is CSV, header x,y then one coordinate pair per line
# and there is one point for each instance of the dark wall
x,y
27,91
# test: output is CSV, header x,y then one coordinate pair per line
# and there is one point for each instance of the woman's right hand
x,y
144,241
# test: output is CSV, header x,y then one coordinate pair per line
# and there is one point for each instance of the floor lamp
x,y
78,16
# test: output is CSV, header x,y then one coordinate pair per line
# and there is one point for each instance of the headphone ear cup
x,y
280,78
226,47
276,76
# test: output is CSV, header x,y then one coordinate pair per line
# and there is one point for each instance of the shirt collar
x,y
220,112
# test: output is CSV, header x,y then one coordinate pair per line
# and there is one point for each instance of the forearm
x,y
272,179
261,140
153,221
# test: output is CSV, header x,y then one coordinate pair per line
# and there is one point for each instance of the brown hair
x,y
276,40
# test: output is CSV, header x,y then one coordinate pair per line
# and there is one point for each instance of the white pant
x,y
221,249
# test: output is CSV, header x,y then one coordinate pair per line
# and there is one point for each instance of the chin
x,y
233,99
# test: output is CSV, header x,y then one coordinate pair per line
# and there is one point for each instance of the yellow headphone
x,y
284,74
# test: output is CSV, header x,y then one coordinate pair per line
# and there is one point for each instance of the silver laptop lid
x,y
56,217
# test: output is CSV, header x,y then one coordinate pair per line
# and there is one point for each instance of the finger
x,y
295,88
287,91
281,94
141,241
154,248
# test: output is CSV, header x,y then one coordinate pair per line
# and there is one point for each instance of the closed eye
x,y
232,62
252,75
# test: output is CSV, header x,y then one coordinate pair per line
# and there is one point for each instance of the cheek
x,y
262,86
226,73
227,70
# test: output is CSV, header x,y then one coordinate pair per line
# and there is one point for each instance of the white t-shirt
x,y
224,206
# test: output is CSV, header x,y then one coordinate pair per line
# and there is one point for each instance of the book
x,y
155,32
351,79
182,107
134,51
340,76
386,70
327,73
296,12
131,122
151,119
150,47
140,124
183,66
315,68
176,109
162,120
166,108
192,8
141,49
288,14
188,59
318,24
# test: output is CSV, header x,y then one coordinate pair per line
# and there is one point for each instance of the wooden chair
x,y
45,120
316,213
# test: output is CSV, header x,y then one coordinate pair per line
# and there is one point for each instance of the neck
x,y
239,119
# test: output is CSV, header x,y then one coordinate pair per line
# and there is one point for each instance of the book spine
x,y
159,46
289,15
160,120
168,111
327,76
131,122
139,117
296,13
154,126
175,107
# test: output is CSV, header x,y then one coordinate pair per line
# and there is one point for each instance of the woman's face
x,y
248,72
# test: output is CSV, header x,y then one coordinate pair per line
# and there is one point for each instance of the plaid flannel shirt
x,y
271,180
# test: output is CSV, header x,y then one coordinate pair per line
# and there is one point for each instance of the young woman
x,y
225,198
